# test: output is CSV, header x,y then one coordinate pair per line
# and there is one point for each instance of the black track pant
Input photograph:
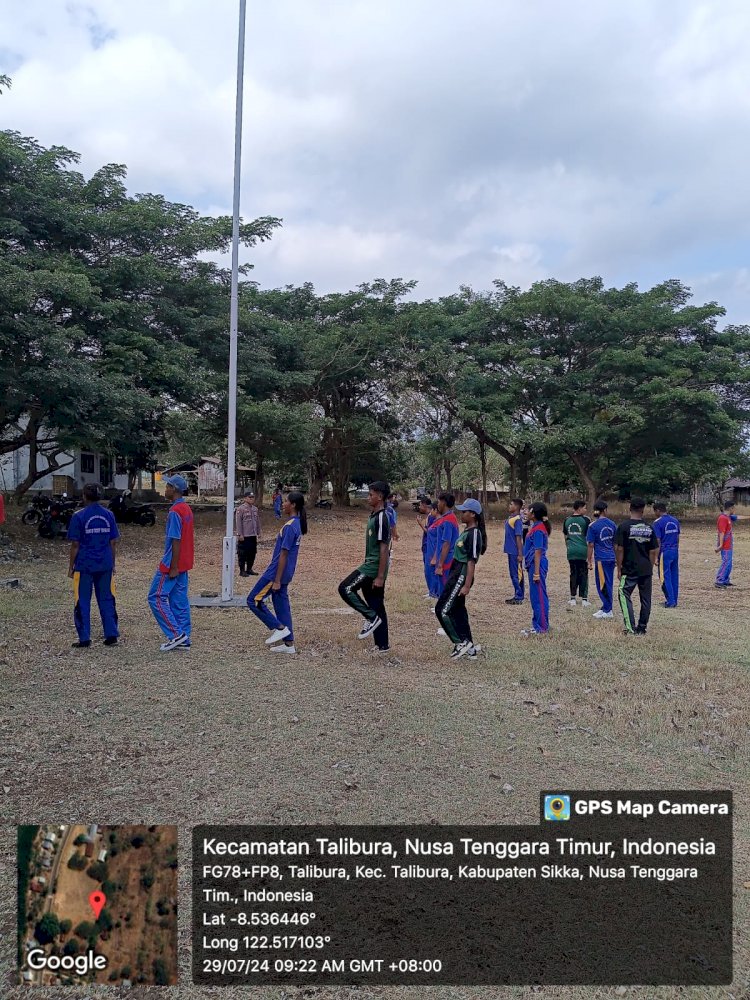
x,y
370,605
246,553
579,578
625,594
451,606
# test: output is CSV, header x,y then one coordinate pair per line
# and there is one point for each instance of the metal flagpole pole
x,y
227,570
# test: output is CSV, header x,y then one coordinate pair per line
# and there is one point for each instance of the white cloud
x,y
453,144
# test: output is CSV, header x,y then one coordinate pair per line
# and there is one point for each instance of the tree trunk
x,y
448,481
483,460
524,469
341,488
513,479
316,482
592,493
260,480
436,480
34,473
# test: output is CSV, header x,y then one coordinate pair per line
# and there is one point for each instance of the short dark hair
x,y
426,501
449,499
92,491
381,487
517,500
659,505
577,504
601,505
637,503
729,503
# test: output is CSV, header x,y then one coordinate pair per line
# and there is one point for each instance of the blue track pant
x,y
168,599
103,585
539,599
256,602
725,568
604,574
515,571
669,576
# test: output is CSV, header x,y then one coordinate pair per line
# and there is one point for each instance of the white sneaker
x,y
461,650
283,648
585,603
603,614
179,640
526,633
432,609
369,627
277,634
572,602
441,631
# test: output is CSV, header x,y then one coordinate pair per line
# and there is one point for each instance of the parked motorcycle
x,y
56,519
35,510
132,513
324,503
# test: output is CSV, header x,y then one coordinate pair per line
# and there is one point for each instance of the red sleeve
x,y
723,524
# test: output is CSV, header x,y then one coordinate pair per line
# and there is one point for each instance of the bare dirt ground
x,y
228,732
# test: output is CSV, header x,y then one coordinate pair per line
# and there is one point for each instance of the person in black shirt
x,y
636,552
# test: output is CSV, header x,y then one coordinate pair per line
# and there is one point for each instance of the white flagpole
x,y
227,571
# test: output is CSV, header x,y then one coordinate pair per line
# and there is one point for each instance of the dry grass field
x,y
228,732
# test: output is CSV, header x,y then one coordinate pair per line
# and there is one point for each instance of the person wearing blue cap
x,y
168,596
451,606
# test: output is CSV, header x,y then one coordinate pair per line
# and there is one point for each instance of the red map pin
x,y
97,901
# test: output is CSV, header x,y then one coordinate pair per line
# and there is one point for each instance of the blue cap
x,y
471,504
178,482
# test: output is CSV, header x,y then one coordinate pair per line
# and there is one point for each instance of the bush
x,y
77,862
47,929
98,870
125,972
147,878
80,839
85,930
161,975
65,926
72,948
105,921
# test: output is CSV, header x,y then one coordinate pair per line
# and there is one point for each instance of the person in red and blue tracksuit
x,y
725,544
448,531
275,579
535,556
168,596
513,548
667,530
93,535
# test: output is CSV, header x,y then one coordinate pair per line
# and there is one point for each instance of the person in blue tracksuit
x,y
535,557
601,557
93,535
274,582
278,500
425,519
667,530
513,549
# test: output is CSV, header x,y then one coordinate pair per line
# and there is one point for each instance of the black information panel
x,y
610,888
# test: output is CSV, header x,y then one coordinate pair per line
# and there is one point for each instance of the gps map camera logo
x,y
557,807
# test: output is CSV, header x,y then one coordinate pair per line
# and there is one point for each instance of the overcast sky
x,y
452,143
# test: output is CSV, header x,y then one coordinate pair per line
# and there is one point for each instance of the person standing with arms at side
x,y
425,519
370,577
636,552
448,531
667,530
725,544
601,557
93,535
451,606
247,526
278,497
535,556
513,548
275,579
575,528
168,596
392,513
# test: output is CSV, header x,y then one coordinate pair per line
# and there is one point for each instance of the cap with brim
x,y
248,493
178,482
471,504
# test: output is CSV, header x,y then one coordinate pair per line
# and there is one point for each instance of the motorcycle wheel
x,y
148,519
31,517
46,529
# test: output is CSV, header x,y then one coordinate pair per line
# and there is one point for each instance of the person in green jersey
x,y
451,605
369,579
575,528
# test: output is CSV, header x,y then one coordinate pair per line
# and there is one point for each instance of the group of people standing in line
x,y
451,549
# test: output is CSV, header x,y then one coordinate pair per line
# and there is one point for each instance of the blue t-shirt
x,y
391,514
537,538
173,529
447,531
667,530
601,535
513,530
93,528
288,540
